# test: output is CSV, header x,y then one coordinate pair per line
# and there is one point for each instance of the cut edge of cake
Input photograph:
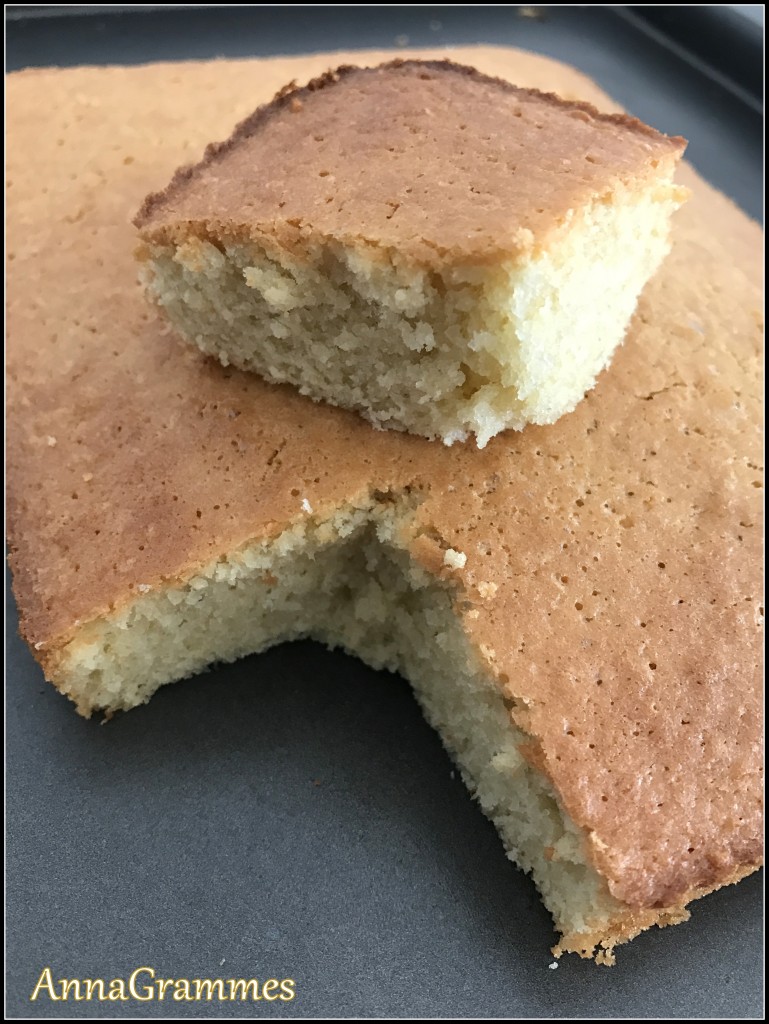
x,y
351,582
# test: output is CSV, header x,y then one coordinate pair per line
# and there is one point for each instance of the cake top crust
x,y
429,160
614,558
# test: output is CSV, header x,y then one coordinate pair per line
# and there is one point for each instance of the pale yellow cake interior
x,y
465,351
351,583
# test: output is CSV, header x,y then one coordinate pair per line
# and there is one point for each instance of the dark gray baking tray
x,y
292,815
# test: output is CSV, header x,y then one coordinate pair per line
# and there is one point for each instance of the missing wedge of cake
x,y
352,581
578,607
436,249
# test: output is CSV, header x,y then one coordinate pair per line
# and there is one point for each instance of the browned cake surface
x,y
615,557
436,161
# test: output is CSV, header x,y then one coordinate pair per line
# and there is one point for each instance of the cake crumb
x,y
524,238
486,589
455,559
51,441
535,13
306,506
87,477
553,966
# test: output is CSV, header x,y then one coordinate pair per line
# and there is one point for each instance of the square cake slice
x,y
439,250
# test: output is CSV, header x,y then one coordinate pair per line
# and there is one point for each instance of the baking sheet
x,y
292,815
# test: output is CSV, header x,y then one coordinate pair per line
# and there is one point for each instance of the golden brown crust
x,y
599,942
378,155
626,535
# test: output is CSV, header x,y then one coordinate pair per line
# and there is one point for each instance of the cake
x,y
578,606
441,251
